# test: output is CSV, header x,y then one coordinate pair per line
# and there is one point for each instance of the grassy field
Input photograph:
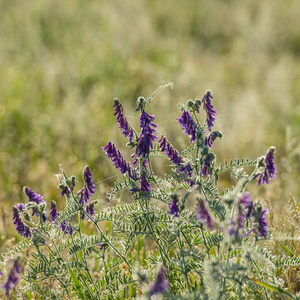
x,y
63,63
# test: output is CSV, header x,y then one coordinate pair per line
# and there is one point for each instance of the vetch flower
x,y
53,212
12,278
269,170
236,225
89,188
210,112
38,199
173,206
88,181
174,156
208,141
67,229
146,138
21,228
207,164
21,206
90,210
160,284
118,161
188,125
145,185
203,215
101,246
245,199
262,223
65,190
123,124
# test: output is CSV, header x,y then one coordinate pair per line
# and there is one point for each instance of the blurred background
x,y
63,62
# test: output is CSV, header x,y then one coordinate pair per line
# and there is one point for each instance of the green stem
x,y
183,262
149,224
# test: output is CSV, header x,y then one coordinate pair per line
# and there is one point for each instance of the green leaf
x,y
272,287
77,285
288,251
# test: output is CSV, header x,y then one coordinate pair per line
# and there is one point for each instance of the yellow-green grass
x,y
62,63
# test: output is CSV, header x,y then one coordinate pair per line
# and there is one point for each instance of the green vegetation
x,y
62,63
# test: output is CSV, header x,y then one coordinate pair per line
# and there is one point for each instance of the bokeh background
x,y
63,62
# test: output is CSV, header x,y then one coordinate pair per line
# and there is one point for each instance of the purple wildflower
x,y
21,228
188,125
160,284
38,199
33,196
173,206
88,181
118,161
208,141
101,246
53,212
245,199
21,206
66,228
236,225
90,210
210,112
207,164
269,171
175,158
126,129
65,191
89,188
146,138
203,215
145,185
262,223
13,278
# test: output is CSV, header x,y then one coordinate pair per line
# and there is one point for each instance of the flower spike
x,y
126,129
188,125
210,112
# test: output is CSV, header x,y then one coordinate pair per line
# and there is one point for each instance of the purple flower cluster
x,y
174,156
247,210
65,191
90,210
208,141
174,206
66,228
145,188
188,125
160,284
269,170
210,112
118,161
38,199
146,138
203,215
236,225
86,192
13,278
207,164
21,228
101,246
53,212
262,223
126,129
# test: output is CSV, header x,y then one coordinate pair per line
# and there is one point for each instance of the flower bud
x,y
204,151
190,103
140,103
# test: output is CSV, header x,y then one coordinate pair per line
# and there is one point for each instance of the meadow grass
x,y
61,65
